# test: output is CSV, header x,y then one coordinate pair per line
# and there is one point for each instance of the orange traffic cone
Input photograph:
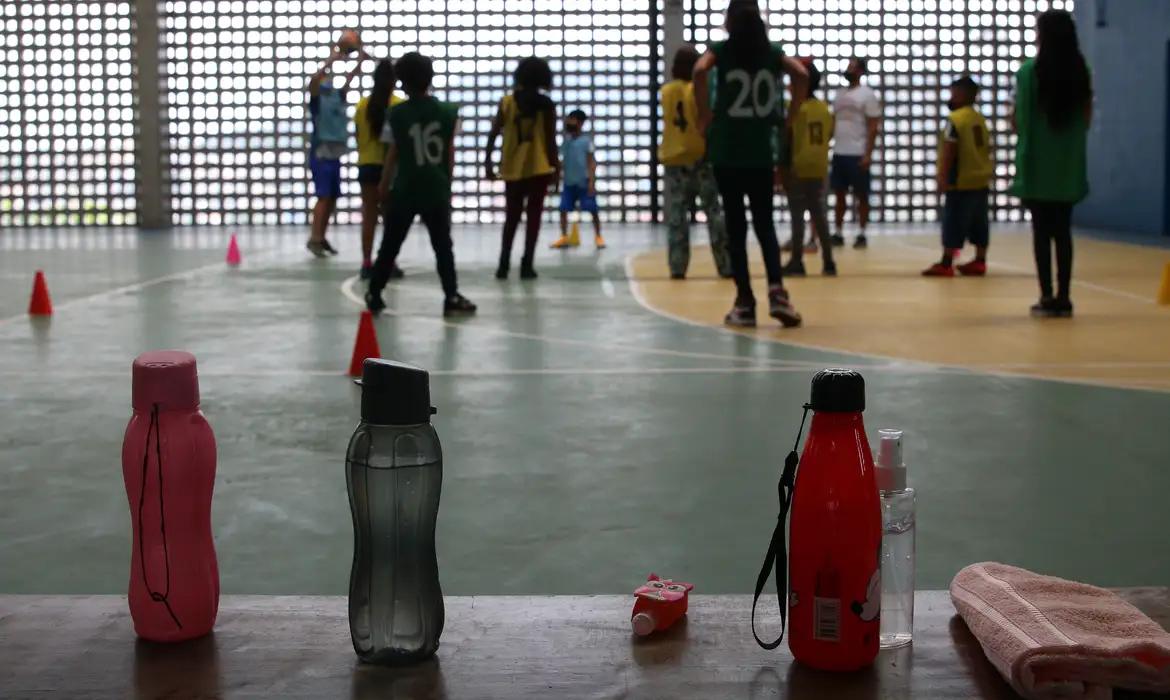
x,y
233,254
1164,290
40,304
366,345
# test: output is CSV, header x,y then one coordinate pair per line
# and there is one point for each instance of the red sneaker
x,y
975,268
939,270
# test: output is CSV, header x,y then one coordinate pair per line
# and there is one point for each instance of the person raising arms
x,y
741,127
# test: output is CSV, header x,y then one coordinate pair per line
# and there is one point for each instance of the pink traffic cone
x,y
233,254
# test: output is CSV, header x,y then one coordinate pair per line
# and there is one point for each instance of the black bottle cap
x,y
394,393
838,391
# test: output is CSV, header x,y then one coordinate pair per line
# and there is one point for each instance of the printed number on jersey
x,y
680,117
757,94
816,134
428,146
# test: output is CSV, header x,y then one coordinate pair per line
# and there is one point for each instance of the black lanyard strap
x,y
777,557
156,425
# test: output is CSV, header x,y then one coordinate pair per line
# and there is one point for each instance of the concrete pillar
x,y
153,173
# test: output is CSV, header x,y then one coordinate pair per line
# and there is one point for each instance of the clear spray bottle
x,y
897,616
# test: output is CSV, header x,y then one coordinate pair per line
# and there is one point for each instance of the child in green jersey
x,y
746,116
420,155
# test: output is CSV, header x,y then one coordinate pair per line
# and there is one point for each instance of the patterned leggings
x,y
684,182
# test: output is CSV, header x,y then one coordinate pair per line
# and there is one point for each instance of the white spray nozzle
x,y
891,471
890,449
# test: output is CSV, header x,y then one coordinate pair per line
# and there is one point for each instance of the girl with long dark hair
x,y
745,122
528,161
370,117
1054,102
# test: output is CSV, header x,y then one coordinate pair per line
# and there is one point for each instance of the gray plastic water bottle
x,y
394,473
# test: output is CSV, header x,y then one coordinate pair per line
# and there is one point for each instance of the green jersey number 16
x,y
428,146
757,94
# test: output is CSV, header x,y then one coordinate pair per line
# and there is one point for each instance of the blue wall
x,y
1128,140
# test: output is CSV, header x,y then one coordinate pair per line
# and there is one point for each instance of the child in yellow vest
x,y
371,154
687,173
964,179
528,158
812,128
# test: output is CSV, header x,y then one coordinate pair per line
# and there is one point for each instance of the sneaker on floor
x,y
458,305
939,270
366,271
375,303
861,243
316,248
794,268
678,275
599,242
1052,308
780,308
975,268
829,269
527,271
503,270
396,273
741,317
328,247
837,239
562,242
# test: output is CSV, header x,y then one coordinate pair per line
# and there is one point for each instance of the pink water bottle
x,y
168,462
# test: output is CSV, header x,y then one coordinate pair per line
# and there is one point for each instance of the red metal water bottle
x,y
168,462
836,533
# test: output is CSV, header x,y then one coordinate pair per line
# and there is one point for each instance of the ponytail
x,y
747,35
380,96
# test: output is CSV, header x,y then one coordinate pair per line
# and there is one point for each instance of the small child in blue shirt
x,y
579,170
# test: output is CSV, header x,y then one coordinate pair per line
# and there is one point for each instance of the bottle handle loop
x,y
777,556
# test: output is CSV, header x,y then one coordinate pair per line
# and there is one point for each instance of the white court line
x,y
925,367
348,292
467,373
1018,268
137,286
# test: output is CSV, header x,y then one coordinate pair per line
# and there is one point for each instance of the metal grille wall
x,y
66,113
914,49
237,70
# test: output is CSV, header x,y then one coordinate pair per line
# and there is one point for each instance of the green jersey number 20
x,y
428,146
757,94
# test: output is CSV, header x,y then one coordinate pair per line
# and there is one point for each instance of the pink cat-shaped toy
x,y
659,603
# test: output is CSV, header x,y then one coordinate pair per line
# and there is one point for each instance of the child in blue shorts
x,y
579,170
328,142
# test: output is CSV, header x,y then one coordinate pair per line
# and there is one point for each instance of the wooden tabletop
x,y
502,648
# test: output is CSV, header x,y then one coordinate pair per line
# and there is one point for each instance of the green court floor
x,y
588,440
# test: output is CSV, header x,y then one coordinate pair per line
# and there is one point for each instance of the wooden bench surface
x,y
505,648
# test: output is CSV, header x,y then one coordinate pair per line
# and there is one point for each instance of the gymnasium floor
x,y
598,424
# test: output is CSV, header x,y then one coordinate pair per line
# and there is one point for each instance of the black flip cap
x,y
838,391
394,393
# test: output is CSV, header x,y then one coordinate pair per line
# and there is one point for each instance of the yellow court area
x,y
881,306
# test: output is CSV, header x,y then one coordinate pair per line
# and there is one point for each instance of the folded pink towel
x,y
1052,638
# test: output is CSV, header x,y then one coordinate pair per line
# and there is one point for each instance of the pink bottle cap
x,y
167,378
643,624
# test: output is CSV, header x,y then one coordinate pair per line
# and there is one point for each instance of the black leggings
x,y
755,184
523,197
398,223
1052,223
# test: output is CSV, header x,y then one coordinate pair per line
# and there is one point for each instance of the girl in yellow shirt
x,y
369,118
529,162
687,173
